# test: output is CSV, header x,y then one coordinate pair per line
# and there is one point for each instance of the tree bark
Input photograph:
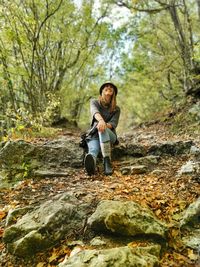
x,y
198,6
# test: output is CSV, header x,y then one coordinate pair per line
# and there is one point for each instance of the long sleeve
x,y
115,118
112,118
94,107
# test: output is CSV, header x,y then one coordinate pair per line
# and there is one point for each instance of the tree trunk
x,y
198,6
191,86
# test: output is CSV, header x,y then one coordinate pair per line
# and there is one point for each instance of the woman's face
x,y
107,93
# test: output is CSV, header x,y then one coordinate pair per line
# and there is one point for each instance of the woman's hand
x,y
101,126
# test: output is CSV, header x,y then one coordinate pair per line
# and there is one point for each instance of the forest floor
x,y
164,192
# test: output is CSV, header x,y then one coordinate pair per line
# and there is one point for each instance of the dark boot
x,y
107,166
90,164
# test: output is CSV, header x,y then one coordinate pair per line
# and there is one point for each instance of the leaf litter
x,y
165,193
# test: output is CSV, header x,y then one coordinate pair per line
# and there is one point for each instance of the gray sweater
x,y
109,117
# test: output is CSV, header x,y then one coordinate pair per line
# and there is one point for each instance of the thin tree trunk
x,y
7,77
198,6
185,49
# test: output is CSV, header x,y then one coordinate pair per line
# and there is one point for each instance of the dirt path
x,y
162,190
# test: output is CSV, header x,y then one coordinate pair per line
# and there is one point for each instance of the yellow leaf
x,y
175,232
1,232
5,138
157,212
53,257
41,264
21,127
182,204
2,214
191,255
132,244
125,191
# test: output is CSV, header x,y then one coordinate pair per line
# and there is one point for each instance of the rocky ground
x,y
160,188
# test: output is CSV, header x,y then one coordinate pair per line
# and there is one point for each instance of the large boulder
x,y
45,226
170,148
190,226
192,214
129,149
15,158
125,218
20,159
115,257
190,167
192,239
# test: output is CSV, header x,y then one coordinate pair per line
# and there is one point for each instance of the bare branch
x,y
164,6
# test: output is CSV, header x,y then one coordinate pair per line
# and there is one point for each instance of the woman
x,y
105,116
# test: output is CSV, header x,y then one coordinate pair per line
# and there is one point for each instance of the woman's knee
x,y
104,136
107,136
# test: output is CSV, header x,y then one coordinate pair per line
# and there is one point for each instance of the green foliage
x,y
185,122
26,170
24,125
154,71
46,47
54,58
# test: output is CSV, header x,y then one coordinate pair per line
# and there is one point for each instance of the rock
x,y
75,243
192,214
139,169
125,170
115,257
97,241
135,150
170,148
51,173
44,226
128,149
194,150
125,218
15,151
189,168
16,213
157,172
138,165
20,159
192,240
14,160
195,111
148,160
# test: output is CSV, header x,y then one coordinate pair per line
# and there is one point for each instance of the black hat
x,y
108,83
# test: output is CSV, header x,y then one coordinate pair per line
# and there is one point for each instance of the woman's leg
x,y
106,139
90,158
93,147
107,136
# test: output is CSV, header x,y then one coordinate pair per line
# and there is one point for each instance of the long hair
x,y
113,102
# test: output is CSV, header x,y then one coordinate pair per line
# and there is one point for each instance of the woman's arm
x,y
98,117
96,114
101,126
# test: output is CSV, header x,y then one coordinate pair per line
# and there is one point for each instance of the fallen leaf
x,y
157,212
40,264
1,232
191,255
2,214
175,232
53,257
